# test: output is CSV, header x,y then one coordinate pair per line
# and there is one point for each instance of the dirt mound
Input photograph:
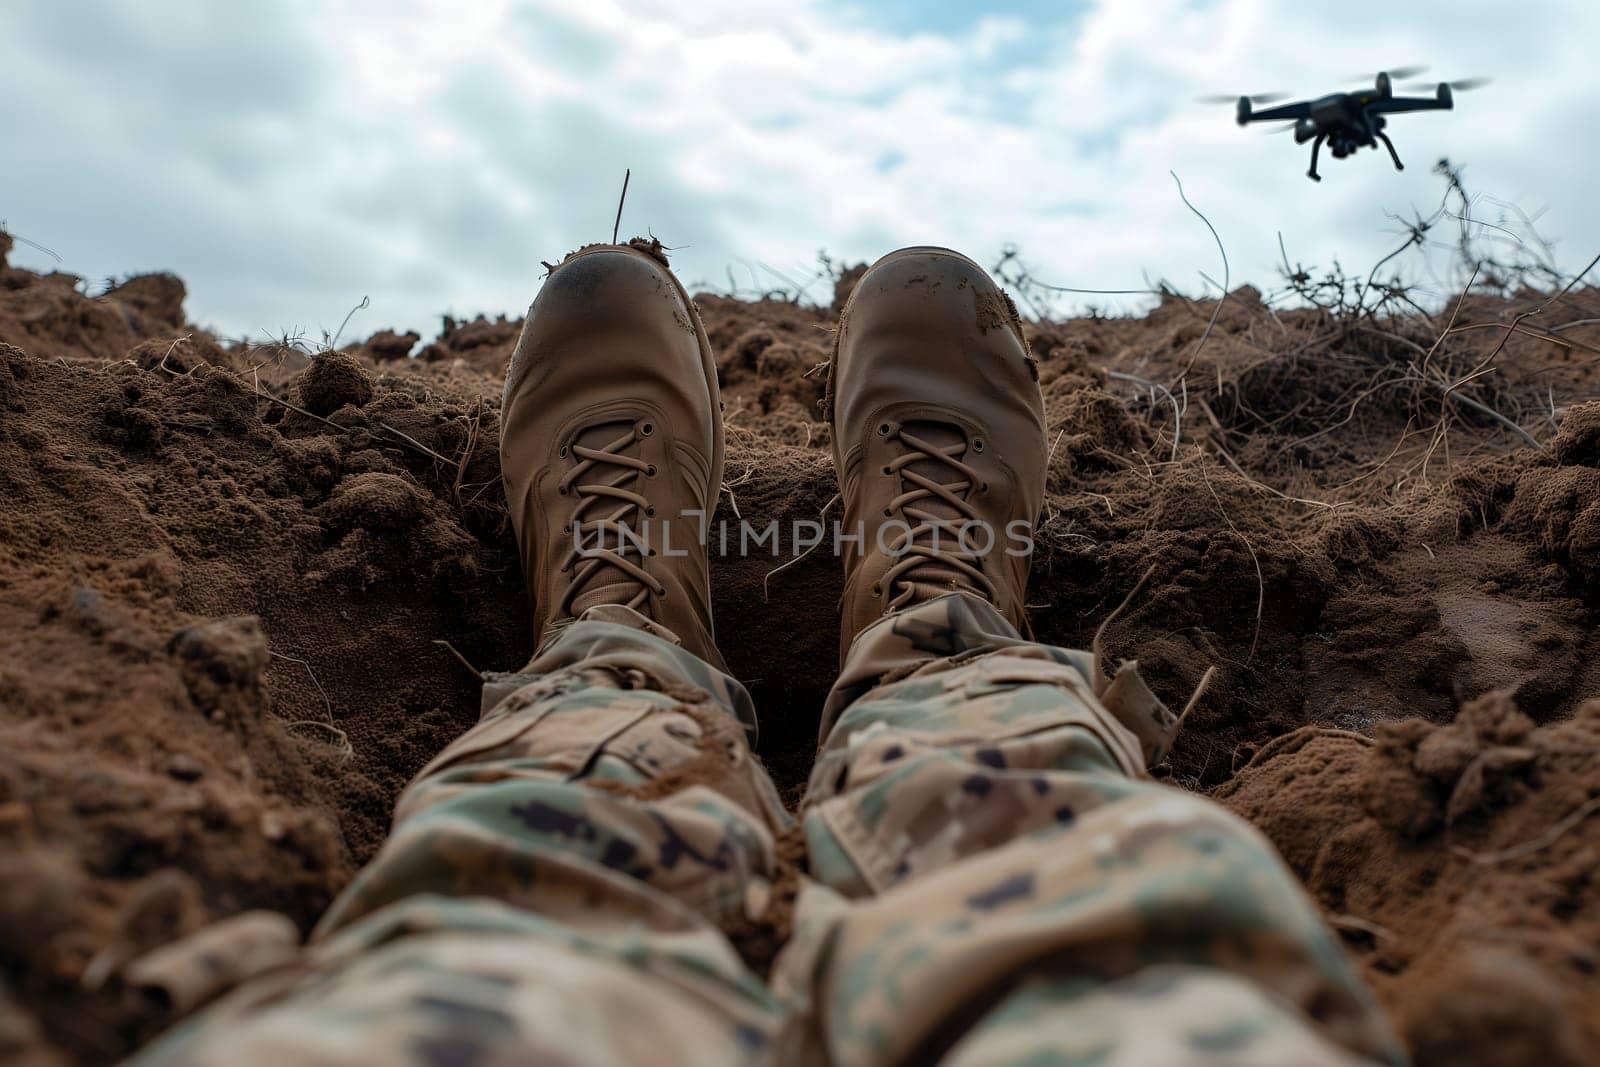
x,y
1458,860
226,573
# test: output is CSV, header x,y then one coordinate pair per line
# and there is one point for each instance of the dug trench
x,y
228,575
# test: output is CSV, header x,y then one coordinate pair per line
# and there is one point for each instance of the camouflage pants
x,y
992,880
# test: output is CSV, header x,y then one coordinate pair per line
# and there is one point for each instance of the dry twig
x,y
1538,844
1227,280
448,647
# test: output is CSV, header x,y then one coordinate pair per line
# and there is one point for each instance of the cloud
x,y
287,158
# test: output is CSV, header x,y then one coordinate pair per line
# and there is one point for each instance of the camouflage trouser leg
x,y
553,887
998,883
1001,885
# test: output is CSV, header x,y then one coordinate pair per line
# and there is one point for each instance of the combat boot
x,y
611,445
938,439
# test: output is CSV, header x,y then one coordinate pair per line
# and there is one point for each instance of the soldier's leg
x,y
1019,890
559,880
1004,884
555,887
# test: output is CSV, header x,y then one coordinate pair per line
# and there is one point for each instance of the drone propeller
x,y
1257,98
1459,85
1393,72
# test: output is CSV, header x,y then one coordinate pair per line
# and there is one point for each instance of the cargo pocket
x,y
1005,746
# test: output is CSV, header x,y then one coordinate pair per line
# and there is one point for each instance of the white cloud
x,y
288,158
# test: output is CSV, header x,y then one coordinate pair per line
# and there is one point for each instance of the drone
x,y
1348,121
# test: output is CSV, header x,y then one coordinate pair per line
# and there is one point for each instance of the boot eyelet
x,y
647,428
888,513
883,430
561,490
877,589
977,444
650,511
563,452
889,471
650,471
983,487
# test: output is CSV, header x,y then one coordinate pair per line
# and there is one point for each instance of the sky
x,y
289,157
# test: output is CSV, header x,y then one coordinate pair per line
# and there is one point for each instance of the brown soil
x,y
221,617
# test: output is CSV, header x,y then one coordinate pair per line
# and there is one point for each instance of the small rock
x,y
273,827
185,768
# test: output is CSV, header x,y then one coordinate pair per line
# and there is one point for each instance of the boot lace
x,y
608,547
934,547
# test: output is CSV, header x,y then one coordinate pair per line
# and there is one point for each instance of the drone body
x,y
1348,121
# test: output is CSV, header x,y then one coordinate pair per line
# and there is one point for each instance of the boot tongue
x,y
933,579
596,594
940,435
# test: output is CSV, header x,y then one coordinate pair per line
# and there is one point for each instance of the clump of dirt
x,y
481,344
334,380
226,573
386,345
1578,441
